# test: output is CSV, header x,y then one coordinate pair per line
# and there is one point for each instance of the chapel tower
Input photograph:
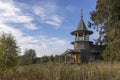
x,y
81,43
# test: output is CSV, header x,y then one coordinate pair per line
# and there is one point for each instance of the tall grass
x,y
51,71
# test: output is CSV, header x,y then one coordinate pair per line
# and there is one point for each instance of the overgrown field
x,y
52,71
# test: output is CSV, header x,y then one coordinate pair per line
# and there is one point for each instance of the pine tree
x,y
106,18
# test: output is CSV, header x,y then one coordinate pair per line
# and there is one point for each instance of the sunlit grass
x,y
52,71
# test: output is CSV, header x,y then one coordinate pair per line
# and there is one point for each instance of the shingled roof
x,y
81,28
81,25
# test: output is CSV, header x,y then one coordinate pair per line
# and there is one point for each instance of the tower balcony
x,y
81,41
79,38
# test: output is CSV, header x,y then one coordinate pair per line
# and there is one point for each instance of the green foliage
x,y
28,57
106,17
44,59
53,59
8,51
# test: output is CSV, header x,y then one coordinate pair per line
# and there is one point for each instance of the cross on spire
x,y
81,13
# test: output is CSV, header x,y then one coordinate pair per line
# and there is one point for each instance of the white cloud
x,y
47,13
11,13
8,29
43,44
54,20
30,26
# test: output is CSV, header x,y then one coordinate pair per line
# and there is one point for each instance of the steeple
x,y
81,33
81,25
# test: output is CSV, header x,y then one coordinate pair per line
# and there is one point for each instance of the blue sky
x,y
44,25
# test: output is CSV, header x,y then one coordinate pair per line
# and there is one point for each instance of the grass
x,y
52,71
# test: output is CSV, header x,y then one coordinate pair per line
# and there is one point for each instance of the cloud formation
x,y
12,15
47,13
9,13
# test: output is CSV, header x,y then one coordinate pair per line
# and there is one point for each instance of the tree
x,y
106,18
8,51
52,58
29,57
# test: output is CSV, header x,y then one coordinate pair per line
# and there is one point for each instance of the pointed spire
x,y
81,28
81,13
81,25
